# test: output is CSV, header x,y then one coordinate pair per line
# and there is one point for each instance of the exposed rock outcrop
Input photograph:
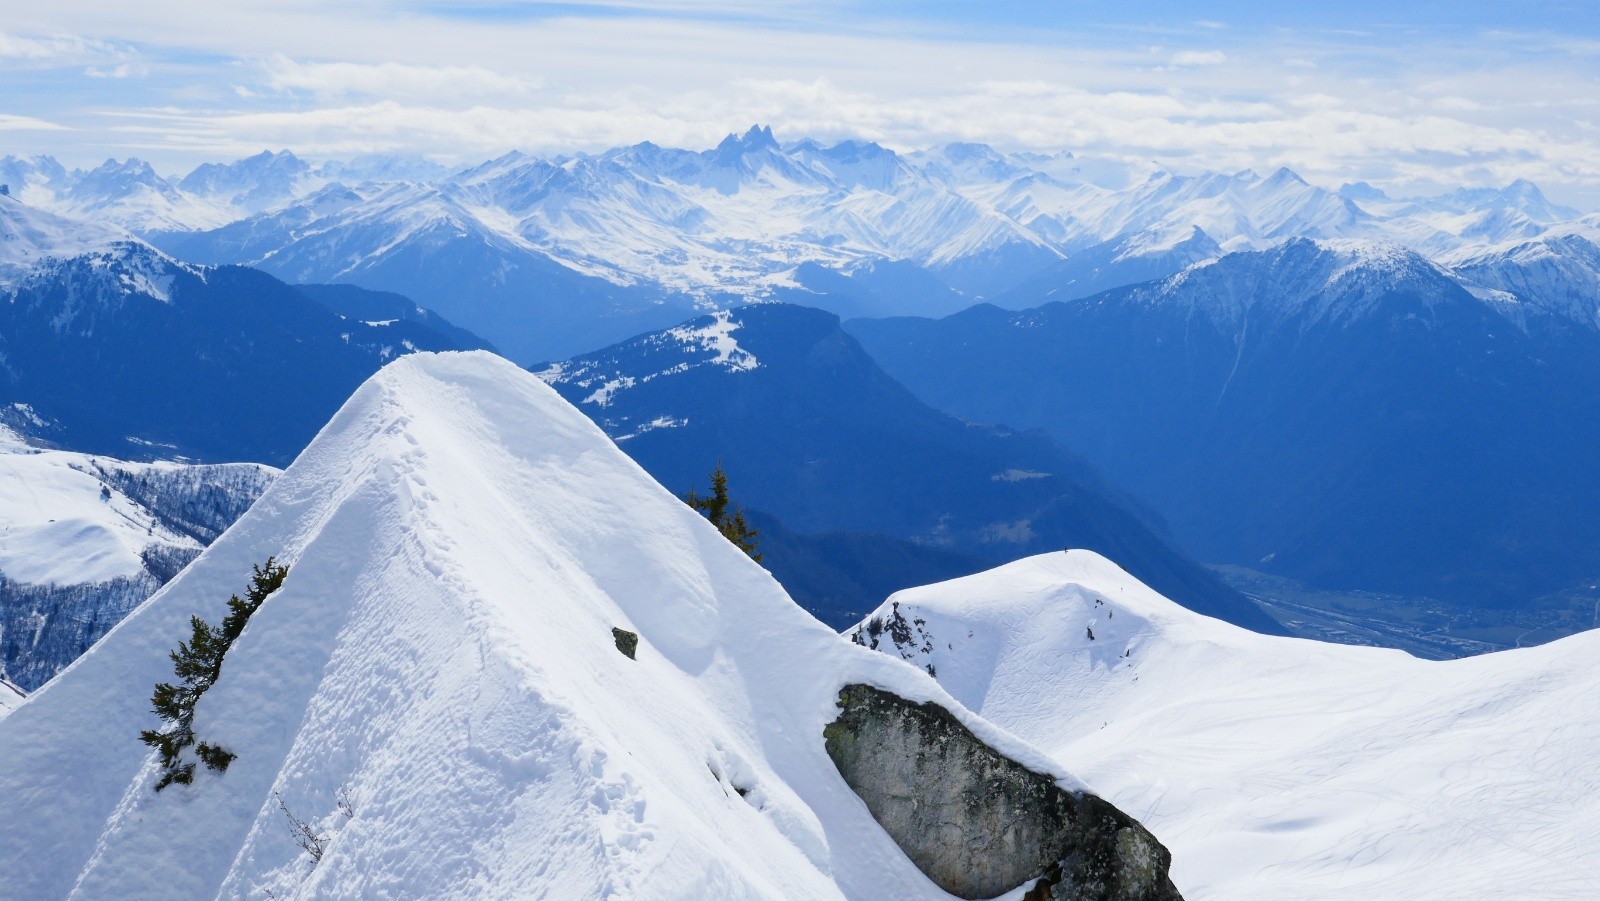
x,y
978,823
627,642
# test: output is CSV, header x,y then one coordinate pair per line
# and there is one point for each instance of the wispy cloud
x,y
1199,58
60,49
27,123
328,80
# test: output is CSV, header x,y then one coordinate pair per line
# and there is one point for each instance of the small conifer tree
x,y
728,519
198,664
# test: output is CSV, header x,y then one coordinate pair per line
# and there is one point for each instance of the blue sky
x,y
1411,96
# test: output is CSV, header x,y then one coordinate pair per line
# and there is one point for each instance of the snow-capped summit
x,y
759,137
1305,281
29,236
1521,196
31,178
1557,274
438,693
961,164
1279,767
253,184
704,229
133,195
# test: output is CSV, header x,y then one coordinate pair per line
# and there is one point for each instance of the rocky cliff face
x,y
978,823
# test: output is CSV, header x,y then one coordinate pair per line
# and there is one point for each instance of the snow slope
x,y
29,236
1281,768
440,658
85,539
10,697
57,527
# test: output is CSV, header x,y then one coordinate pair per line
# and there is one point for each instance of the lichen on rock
x,y
978,823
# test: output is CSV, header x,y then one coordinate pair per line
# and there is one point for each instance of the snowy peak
x,y
99,281
967,164
29,236
733,222
31,178
1306,281
462,545
1521,196
759,137
113,180
709,341
1346,770
253,183
1558,275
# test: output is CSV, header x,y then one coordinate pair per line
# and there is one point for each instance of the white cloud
x,y
346,79
27,123
59,49
1199,58
121,70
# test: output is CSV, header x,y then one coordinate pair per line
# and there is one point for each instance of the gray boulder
x,y
978,823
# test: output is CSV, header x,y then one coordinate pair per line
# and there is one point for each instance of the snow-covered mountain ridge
x,y
740,218
1310,281
1279,768
29,235
437,692
110,345
699,343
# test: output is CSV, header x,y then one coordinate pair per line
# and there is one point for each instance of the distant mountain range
x,y
1288,373
547,257
812,432
110,346
1350,414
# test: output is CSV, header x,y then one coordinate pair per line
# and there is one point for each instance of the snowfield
x,y
84,539
10,697
61,524
1273,767
436,691
29,236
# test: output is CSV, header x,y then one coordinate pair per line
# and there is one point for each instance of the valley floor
x,y
1421,626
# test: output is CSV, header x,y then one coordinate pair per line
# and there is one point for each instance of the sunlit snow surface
x,y
56,526
707,341
1281,768
461,542
10,697
737,221
29,236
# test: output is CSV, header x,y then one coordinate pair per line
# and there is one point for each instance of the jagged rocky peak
x,y
759,137
279,168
